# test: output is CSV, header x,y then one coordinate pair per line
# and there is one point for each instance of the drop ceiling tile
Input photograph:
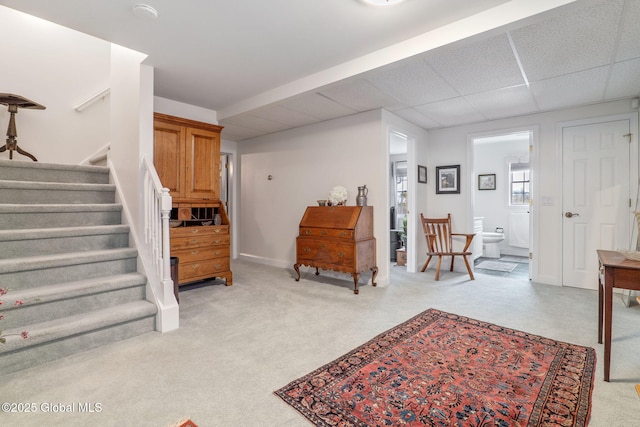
x,y
507,102
361,95
575,89
452,112
412,82
624,81
318,106
286,116
255,123
581,39
483,66
629,44
238,133
414,116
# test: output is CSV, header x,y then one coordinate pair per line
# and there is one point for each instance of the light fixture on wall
x,y
382,3
145,11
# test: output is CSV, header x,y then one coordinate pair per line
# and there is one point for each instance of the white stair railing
x,y
157,210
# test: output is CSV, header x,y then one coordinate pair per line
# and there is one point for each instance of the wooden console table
x,y
618,272
338,238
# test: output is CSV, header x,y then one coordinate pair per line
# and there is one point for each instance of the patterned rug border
x,y
381,343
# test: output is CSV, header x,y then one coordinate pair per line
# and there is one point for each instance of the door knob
x,y
570,214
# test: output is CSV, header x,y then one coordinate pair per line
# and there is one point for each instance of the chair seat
x,y
440,243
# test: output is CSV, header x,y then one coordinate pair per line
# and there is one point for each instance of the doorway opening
x,y
399,197
502,204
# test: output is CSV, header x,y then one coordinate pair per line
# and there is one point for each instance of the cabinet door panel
x,y
168,157
203,152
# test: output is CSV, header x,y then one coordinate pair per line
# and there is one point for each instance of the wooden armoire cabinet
x,y
187,157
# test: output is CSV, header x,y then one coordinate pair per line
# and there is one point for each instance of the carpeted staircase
x,y
67,274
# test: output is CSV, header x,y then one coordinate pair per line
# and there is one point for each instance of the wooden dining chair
x,y
440,243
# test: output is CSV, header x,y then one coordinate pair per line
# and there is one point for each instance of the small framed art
x,y
448,179
422,174
487,181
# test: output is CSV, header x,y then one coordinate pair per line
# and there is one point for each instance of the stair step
x,y
25,192
20,216
48,172
50,302
67,273
45,241
58,338
27,272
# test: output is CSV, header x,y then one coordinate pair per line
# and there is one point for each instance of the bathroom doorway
x,y
503,182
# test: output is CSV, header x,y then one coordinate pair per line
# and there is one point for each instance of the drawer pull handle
x,y
306,250
217,253
343,234
194,240
195,230
307,232
217,242
218,266
324,232
195,266
341,254
217,231
194,252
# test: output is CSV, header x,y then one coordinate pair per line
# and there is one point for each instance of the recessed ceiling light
x,y
145,11
381,2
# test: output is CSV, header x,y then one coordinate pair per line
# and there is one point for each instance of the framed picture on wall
x,y
487,181
422,174
448,179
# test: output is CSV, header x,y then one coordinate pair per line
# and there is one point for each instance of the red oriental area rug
x,y
441,369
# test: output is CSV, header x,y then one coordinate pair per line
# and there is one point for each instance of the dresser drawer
x,y
199,254
326,232
202,269
179,243
205,230
322,251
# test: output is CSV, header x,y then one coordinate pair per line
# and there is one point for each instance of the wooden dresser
x,y
187,158
338,238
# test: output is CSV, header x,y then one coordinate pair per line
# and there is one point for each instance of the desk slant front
x,y
338,238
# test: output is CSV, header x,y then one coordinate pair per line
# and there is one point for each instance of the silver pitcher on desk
x,y
361,198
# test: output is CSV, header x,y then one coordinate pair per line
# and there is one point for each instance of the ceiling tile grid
x,y
451,112
506,102
413,83
589,54
480,67
629,43
360,95
624,81
581,88
569,43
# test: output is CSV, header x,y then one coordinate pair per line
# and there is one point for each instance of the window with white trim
x,y
519,185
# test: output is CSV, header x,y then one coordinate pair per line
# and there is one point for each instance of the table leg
x,y
600,307
608,308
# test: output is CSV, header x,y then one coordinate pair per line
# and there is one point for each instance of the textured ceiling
x,y
589,54
221,54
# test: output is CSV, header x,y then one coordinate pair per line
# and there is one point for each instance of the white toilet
x,y
490,244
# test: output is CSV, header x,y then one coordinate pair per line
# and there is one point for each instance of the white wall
x,y
60,69
305,164
187,111
451,146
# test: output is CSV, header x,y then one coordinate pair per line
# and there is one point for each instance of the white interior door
x,y
595,200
